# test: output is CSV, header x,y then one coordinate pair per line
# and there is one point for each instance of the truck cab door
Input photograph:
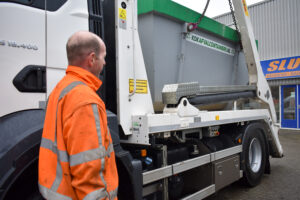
x,y
64,17
22,55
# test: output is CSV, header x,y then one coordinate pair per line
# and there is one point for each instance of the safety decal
x,y
122,13
122,18
141,86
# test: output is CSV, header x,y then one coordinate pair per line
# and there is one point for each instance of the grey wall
x,y
276,25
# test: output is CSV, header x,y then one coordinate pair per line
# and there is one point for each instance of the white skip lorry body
x,y
188,106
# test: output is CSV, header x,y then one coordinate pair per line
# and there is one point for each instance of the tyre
x,y
253,156
35,196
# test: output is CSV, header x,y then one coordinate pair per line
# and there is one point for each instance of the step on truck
x,y
188,106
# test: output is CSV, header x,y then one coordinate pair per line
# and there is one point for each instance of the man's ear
x,y
91,58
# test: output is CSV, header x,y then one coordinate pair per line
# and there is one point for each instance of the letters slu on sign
x,y
281,68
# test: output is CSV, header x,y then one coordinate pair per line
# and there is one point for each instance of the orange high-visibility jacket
x,y
77,160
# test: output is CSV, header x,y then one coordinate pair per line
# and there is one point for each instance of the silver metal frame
x,y
225,153
202,193
177,127
167,171
157,174
190,164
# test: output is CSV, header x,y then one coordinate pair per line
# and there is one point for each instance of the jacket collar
x,y
87,77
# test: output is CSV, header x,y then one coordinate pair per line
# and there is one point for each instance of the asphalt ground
x,y
282,184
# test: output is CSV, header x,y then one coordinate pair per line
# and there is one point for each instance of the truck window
x,y
52,5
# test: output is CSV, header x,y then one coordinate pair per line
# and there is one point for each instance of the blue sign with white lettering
x,y
281,68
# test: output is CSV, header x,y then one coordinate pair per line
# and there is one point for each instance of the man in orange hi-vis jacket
x,y
77,159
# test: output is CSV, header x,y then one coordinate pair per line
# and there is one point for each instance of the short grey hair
x,y
80,45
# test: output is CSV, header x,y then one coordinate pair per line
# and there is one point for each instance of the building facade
x,y
276,25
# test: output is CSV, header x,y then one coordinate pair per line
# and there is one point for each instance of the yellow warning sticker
x,y
141,86
245,7
122,13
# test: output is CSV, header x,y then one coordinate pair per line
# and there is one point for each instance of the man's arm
x,y
84,138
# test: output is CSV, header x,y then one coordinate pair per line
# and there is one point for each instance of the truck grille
x,y
96,17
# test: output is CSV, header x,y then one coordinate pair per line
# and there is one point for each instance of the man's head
x,y
86,50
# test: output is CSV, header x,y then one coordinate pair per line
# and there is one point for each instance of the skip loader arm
x,y
256,76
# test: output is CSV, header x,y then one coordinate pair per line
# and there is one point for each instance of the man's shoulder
x,y
74,92
69,86
62,86
79,97
82,94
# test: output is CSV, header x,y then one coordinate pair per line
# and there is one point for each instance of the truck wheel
x,y
35,196
253,157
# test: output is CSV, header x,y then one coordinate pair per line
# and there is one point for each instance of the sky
x,y
215,7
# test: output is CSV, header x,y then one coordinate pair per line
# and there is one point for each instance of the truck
x,y
189,109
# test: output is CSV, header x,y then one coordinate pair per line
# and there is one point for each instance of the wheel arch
x,y
129,169
19,145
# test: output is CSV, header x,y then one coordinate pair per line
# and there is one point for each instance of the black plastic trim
x,y
110,86
31,78
96,25
54,5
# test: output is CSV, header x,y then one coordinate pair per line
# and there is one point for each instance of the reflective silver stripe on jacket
x,y
97,121
81,157
97,194
48,144
113,194
51,195
100,194
90,155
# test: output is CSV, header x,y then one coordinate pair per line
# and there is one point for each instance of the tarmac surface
x,y
282,184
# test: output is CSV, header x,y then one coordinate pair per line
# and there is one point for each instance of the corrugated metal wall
x,y
276,25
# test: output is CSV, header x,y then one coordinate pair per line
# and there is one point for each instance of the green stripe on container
x,y
182,13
